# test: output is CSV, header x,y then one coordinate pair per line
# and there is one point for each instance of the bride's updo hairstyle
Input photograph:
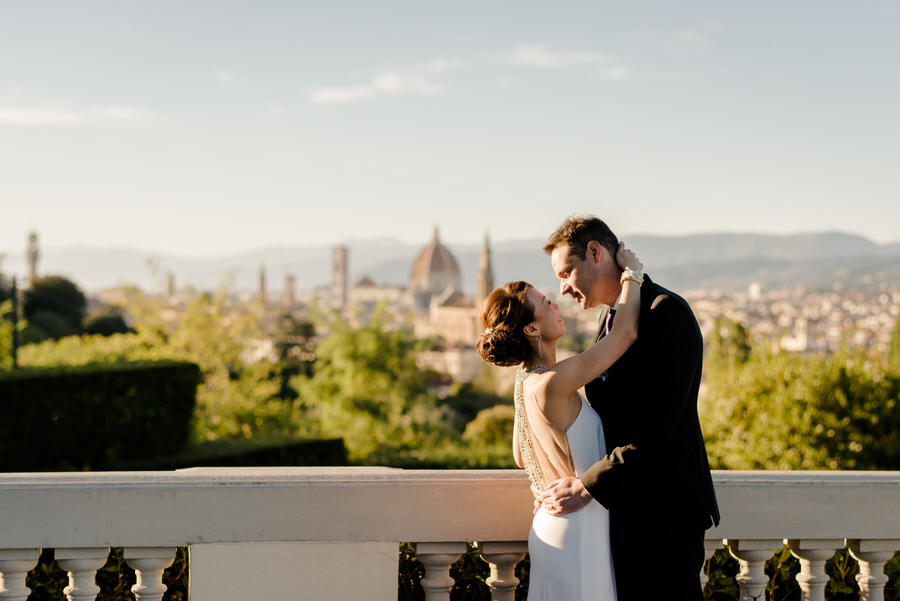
x,y
504,314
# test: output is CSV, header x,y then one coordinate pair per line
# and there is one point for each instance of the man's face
x,y
591,281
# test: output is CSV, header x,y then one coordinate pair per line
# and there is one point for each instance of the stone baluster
x,y
14,567
149,564
752,556
82,565
437,559
503,557
872,555
709,547
813,553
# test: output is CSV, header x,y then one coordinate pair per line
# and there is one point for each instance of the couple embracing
x,y
623,474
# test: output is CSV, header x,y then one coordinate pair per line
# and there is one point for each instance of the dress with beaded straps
x,y
570,554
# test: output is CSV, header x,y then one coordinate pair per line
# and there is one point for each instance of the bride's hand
x,y
626,258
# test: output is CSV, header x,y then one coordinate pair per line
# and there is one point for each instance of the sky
x,y
207,128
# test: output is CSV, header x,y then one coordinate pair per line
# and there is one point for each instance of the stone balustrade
x,y
333,533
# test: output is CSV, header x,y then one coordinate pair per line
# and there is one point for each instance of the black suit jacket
x,y
656,476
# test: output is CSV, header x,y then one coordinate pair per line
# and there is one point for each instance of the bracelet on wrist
x,y
631,274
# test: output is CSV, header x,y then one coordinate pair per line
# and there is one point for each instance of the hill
x,y
719,260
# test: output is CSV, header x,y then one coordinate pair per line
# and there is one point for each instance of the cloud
x,y
37,116
226,78
273,108
121,113
412,82
687,43
539,56
14,115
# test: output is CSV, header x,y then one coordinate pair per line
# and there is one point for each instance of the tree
x,y
55,305
367,388
238,397
106,322
492,426
787,411
894,349
728,344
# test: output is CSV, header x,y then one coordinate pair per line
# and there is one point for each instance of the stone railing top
x,y
257,476
90,509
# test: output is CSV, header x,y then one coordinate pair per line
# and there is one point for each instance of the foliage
x,y
894,348
5,287
115,579
367,387
238,397
91,416
6,336
785,411
492,426
782,570
728,344
106,322
469,573
56,304
48,325
450,454
467,400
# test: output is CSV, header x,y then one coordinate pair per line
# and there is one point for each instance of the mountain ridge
x,y
709,260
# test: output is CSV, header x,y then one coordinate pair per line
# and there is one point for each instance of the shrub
x,y
492,426
91,416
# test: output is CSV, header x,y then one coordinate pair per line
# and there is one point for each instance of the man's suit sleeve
x,y
662,373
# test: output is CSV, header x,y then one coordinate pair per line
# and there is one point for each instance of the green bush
x,y
788,412
257,451
492,426
89,417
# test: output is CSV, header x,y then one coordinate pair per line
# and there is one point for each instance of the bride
x,y
556,432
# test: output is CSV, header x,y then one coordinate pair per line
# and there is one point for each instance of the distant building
x,y
433,272
452,319
339,276
367,293
288,292
485,273
261,294
32,252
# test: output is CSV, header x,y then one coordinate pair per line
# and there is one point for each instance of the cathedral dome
x,y
435,269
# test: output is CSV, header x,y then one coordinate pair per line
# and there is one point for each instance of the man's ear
x,y
594,252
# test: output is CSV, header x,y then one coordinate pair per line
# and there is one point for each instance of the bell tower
x,y
32,252
485,273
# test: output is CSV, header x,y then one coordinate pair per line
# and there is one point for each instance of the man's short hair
x,y
577,231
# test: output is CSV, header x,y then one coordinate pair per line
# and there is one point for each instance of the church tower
x,y
31,253
339,275
485,273
288,292
261,295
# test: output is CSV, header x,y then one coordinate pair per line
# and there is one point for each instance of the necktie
x,y
609,320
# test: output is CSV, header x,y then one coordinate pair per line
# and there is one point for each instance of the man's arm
x,y
671,353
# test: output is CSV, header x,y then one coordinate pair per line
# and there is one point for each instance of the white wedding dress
x,y
570,555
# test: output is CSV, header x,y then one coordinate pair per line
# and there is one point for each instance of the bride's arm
x,y
573,373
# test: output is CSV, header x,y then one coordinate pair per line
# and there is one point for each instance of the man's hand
x,y
537,499
565,495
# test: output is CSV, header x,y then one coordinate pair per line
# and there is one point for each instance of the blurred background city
x,y
309,202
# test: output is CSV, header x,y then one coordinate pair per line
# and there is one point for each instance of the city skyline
x,y
211,129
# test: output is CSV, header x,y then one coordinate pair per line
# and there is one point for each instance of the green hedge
x,y
251,452
94,416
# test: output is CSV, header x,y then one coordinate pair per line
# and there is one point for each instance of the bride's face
x,y
546,315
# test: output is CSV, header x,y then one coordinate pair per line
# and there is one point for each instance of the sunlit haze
x,y
207,128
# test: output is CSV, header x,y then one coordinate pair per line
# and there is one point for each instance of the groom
x,y
655,479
